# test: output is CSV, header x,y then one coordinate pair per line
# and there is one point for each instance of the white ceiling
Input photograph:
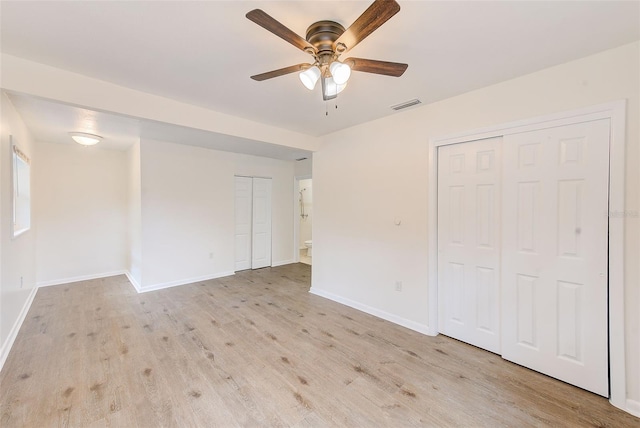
x,y
203,53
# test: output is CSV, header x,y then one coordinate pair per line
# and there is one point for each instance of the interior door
x,y
261,225
554,267
243,216
469,242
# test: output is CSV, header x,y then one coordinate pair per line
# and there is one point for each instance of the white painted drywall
x,y
187,200
368,176
303,168
18,255
134,198
82,212
188,211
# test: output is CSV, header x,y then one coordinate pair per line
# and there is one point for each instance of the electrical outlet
x,y
398,285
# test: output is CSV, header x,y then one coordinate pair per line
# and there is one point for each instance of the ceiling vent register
x,y
406,104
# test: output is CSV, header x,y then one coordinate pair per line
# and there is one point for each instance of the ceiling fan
x,y
325,42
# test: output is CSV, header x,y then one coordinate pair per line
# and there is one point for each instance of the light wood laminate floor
x,y
256,349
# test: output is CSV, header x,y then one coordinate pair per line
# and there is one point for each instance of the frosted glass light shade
x,y
85,139
310,77
330,89
340,72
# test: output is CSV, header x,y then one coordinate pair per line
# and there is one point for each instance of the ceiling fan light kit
x,y
340,72
309,77
325,42
330,89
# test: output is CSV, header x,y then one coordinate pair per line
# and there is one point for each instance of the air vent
x,y
406,104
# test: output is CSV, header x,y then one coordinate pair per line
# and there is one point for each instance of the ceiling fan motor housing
x,y
322,34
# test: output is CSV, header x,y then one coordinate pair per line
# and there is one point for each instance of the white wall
x,y
134,198
368,175
303,168
17,256
188,211
187,200
82,212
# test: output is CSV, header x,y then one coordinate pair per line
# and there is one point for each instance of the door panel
x,y
554,240
469,242
243,202
261,251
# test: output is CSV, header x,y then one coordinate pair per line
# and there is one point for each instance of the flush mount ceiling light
x,y
325,42
85,139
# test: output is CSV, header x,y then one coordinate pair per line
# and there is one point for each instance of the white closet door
x,y
243,214
261,251
469,242
554,267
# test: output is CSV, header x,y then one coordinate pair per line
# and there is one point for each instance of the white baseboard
x,y
8,343
155,287
282,263
133,282
412,325
80,278
633,407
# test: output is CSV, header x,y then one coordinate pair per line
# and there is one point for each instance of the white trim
x,y
411,325
282,263
633,407
616,112
80,278
600,111
617,363
176,283
13,333
133,282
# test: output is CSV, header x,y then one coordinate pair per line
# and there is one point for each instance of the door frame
x,y
616,113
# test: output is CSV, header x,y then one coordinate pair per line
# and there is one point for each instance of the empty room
x,y
368,213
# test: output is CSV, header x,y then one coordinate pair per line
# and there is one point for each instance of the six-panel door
x,y
554,266
243,219
469,242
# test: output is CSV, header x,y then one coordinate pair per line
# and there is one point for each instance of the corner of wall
x,y
13,333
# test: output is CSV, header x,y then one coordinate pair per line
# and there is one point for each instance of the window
x,y
21,190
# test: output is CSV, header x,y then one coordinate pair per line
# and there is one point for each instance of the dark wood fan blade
x,y
372,18
280,72
394,69
268,23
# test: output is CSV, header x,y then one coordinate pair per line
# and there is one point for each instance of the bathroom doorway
x,y
305,220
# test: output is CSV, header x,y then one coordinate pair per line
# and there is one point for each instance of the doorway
x,y
305,219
